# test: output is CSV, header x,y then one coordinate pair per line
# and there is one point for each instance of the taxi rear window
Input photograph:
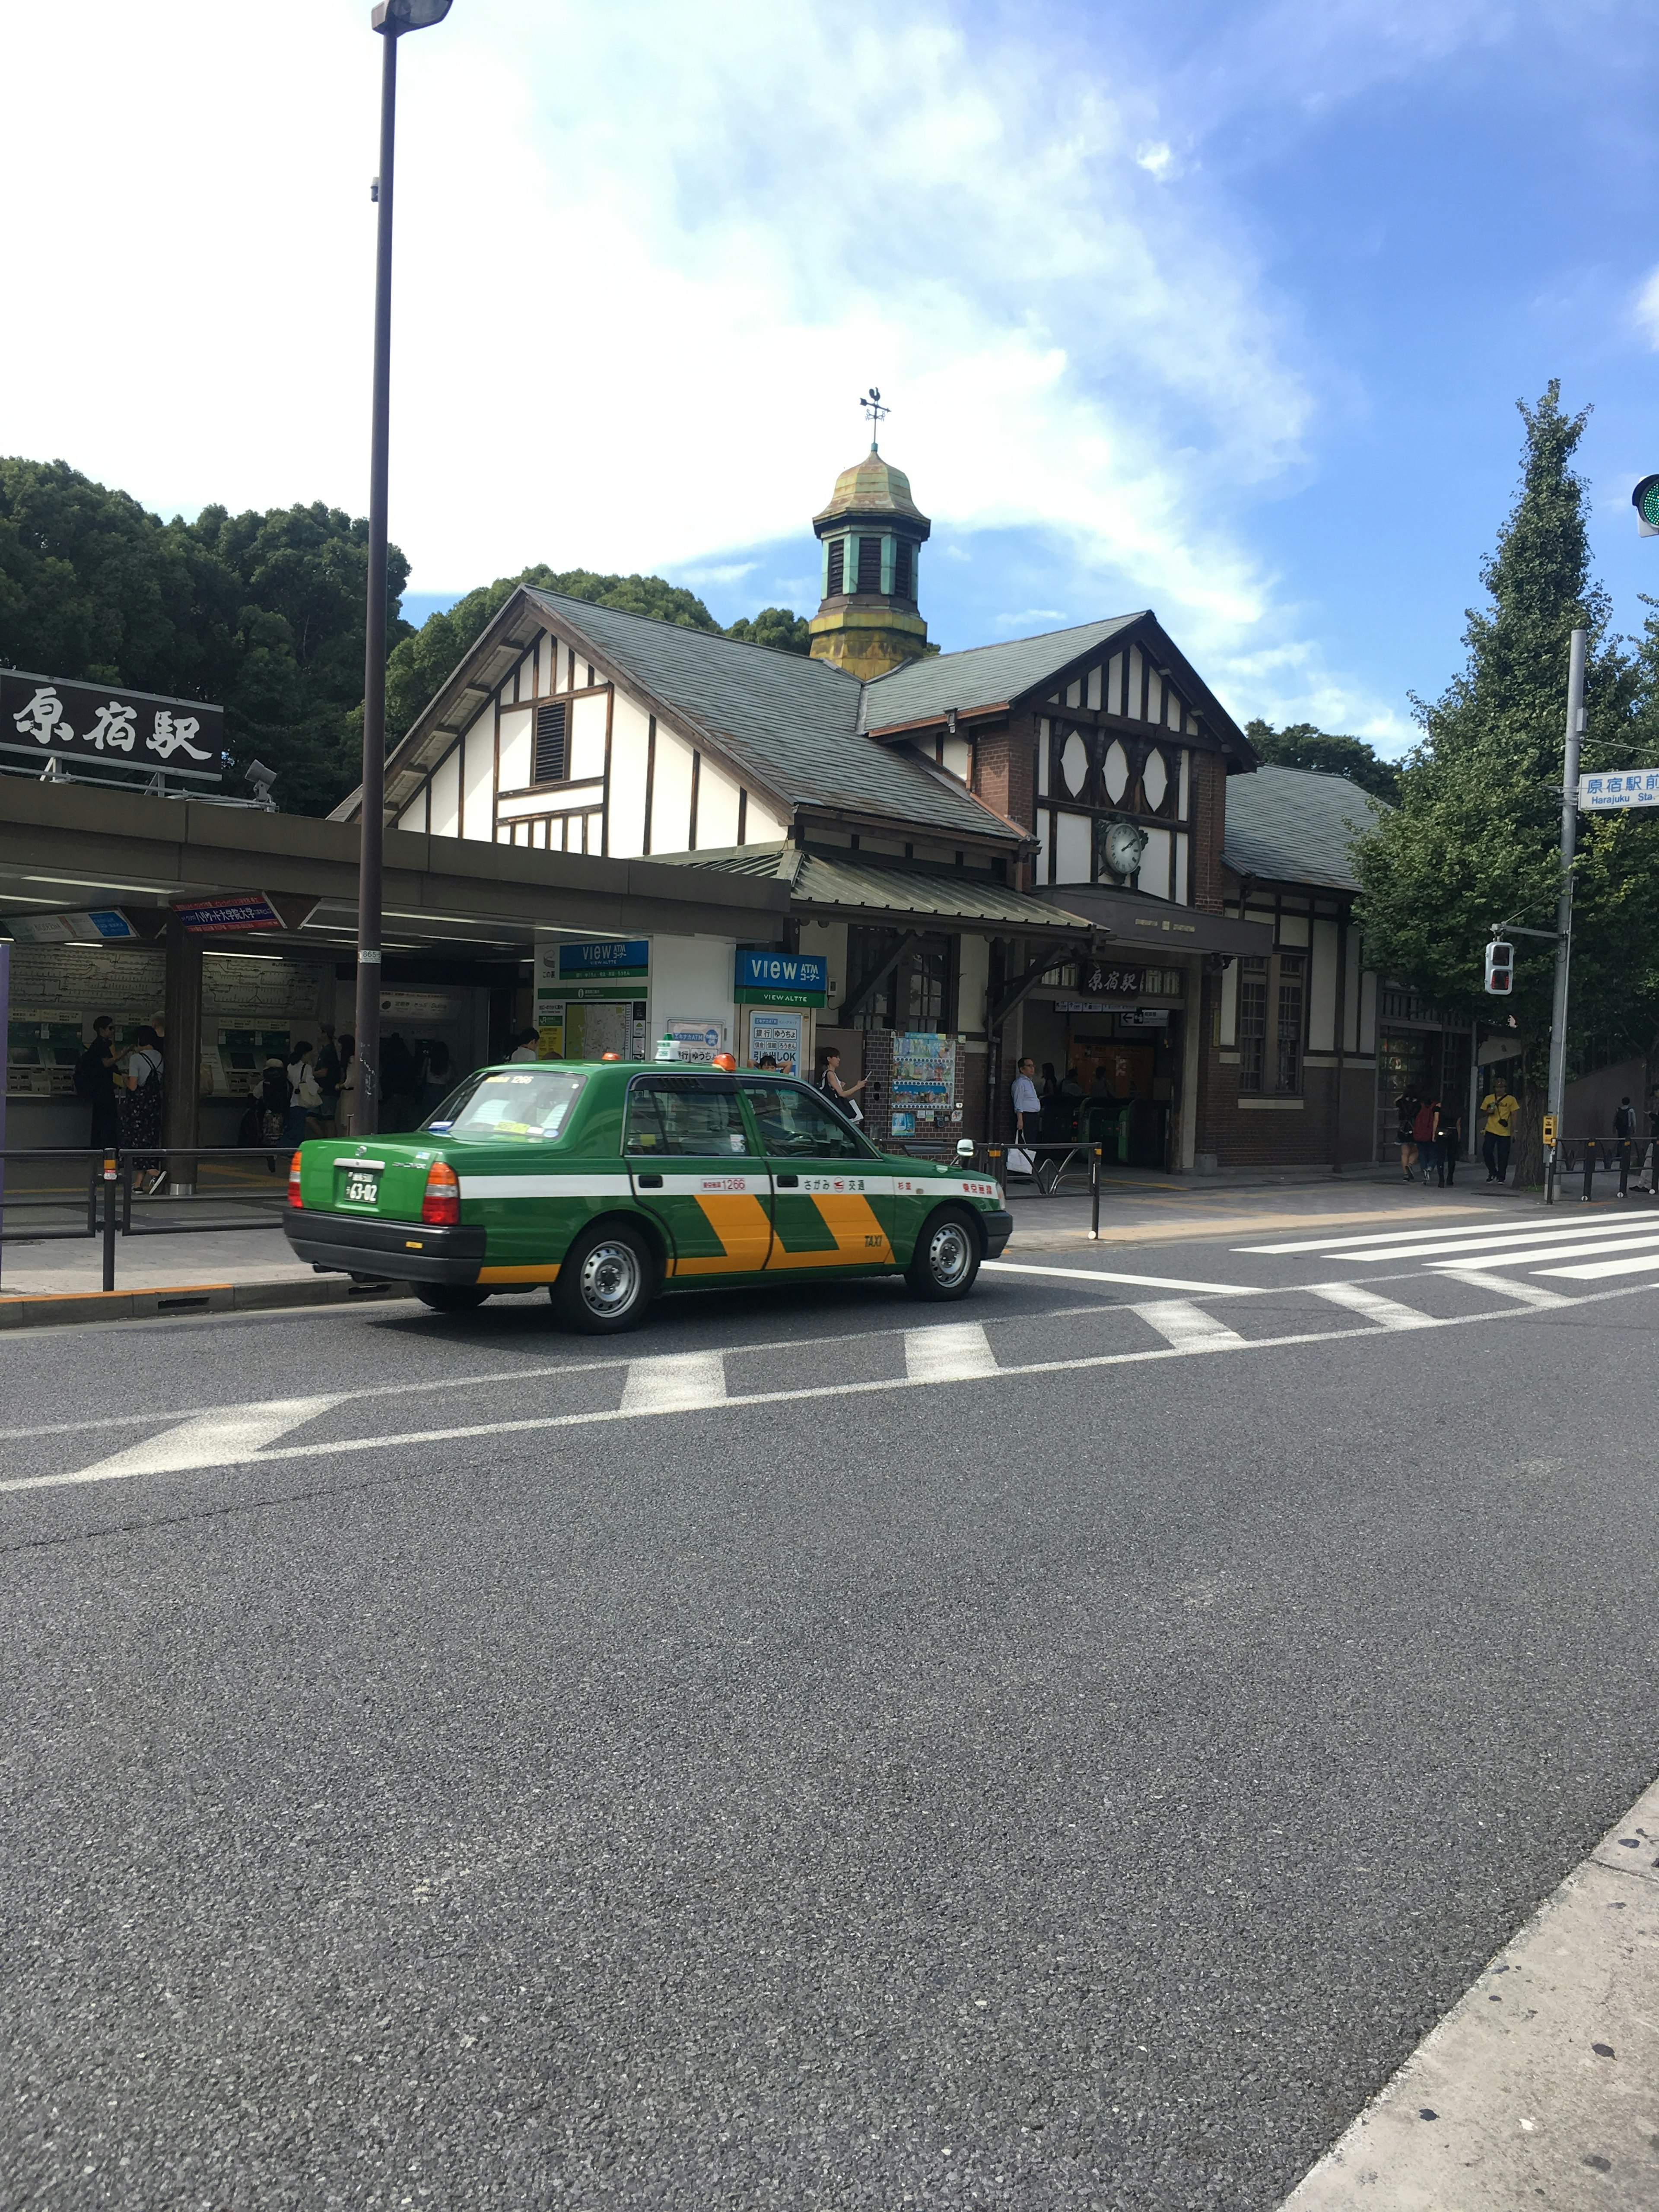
x,y
515,1106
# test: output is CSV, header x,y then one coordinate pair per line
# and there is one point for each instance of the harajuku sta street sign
x,y
1602,794
50,718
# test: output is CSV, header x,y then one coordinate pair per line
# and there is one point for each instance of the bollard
x,y
1096,1153
109,1221
1590,1168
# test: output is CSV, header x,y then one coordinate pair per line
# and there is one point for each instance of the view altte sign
x,y
49,719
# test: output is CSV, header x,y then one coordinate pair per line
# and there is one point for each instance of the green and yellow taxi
x,y
614,1181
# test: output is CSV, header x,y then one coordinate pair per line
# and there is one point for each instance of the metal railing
x,y
116,1204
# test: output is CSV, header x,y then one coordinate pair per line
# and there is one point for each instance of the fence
x,y
114,1208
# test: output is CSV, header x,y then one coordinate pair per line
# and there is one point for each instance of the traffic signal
x,y
1500,967
1645,500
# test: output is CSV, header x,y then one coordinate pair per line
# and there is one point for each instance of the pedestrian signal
x,y
1500,967
1549,1128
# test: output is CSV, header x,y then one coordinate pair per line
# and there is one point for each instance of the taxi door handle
x,y
787,1182
650,1183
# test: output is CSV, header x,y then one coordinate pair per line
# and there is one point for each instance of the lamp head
x,y
395,17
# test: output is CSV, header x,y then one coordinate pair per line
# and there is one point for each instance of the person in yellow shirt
x,y
1500,1106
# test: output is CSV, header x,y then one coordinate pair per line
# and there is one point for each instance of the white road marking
x,y
1180,1322
1530,1294
221,1439
1587,1247
1143,1282
1593,1273
1387,1313
1403,1243
960,1352
681,1383
540,1424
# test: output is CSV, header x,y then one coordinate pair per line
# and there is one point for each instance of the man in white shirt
x,y
525,1047
1026,1101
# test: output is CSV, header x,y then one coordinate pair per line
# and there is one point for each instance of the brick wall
x,y
1004,770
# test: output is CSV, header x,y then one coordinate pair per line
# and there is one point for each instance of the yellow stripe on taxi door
x,y
860,1240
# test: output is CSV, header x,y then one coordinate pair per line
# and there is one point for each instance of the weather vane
x,y
871,403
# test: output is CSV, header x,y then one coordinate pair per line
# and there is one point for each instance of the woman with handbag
x,y
140,1108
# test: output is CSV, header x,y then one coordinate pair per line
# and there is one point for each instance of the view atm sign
x,y
782,979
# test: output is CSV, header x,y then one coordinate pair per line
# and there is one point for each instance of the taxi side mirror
x,y
965,1148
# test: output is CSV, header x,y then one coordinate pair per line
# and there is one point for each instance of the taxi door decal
x,y
848,1231
720,1222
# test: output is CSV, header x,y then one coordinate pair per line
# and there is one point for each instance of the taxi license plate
x,y
361,1187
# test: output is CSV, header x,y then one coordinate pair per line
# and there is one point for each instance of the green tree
x,y
780,628
1474,838
1301,744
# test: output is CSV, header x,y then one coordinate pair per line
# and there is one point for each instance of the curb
x,y
53,1310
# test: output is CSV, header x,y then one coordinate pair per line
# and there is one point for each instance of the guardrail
x,y
115,1207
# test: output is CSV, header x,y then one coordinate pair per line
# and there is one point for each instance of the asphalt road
x,y
1069,1761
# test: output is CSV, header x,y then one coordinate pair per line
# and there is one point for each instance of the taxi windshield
x,y
513,1105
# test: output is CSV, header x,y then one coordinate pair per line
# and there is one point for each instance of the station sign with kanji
x,y
1603,795
49,718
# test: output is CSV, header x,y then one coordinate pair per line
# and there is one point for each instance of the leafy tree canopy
x,y
780,628
1474,838
1300,744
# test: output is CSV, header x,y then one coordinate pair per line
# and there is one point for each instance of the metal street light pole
x,y
390,18
1557,1090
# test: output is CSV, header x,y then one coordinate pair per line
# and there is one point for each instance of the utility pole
x,y
1558,1087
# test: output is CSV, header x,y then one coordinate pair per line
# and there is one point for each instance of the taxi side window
x,y
672,1115
795,1125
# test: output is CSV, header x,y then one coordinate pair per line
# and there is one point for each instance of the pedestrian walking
x,y
140,1108
326,1074
1624,1130
525,1042
346,1106
1426,1130
303,1098
1405,1108
1652,1183
1026,1101
841,1096
1500,1107
1449,1147
95,1081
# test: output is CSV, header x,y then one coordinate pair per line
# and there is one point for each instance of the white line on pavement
x,y
1387,1313
959,1353
1530,1294
540,1423
1590,1275
1528,1255
1482,1232
222,1439
677,1382
1145,1282
1179,1321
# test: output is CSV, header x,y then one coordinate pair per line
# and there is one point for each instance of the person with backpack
x,y
1624,1130
95,1081
303,1095
1426,1130
140,1108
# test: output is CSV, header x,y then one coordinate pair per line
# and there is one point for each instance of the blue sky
x,y
1218,308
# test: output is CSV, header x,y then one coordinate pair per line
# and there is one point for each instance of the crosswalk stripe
x,y
1593,1272
1403,1242
1387,1313
1545,1240
1178,1321
1586,1248
680,1383
210,1440
1104,1276
960,1352
1528,1294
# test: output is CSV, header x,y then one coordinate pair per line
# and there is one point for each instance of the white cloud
x,y
1647,309
1157,159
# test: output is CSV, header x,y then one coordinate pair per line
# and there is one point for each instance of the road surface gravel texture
x,y
1059,1788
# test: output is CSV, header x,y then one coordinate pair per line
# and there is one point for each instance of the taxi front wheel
x,y
946,1257
606,1280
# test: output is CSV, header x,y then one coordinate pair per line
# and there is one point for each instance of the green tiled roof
x,y
984,676
829,880
790,721
1292,825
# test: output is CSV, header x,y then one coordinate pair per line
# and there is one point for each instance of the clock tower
x,y
871,532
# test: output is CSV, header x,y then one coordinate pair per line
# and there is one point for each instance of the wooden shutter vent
x,y
869,565
550,744
904,582
837,565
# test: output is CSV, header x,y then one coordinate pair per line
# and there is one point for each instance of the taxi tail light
x,y
441,1207
294,1197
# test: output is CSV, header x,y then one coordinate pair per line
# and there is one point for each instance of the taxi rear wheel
x,y
606,1280
450,1297
946,1257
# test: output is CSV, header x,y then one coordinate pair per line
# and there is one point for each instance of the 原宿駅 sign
x,y
1602,794
782,979
52,720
